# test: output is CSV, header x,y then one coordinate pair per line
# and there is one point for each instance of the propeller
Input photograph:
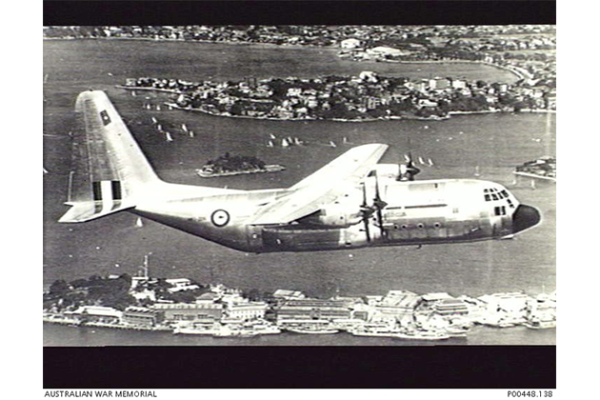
x,y
409,170
366,212
379,205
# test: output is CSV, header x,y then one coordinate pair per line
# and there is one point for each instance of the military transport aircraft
x,y
351,202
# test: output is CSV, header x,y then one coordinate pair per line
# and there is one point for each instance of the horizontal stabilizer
x,y
84,211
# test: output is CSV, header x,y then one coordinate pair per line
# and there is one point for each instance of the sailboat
x,y
45,171
421,161
133,93
139,223
159,127
157,107
533,183
430,162
345,140
270,143
477,171
332,144
191,133
272,136
185,129
154,120
297,141
169,138
284,143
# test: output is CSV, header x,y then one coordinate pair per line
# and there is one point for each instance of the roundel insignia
x,y
220,218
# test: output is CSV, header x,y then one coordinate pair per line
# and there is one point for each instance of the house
x,y
351,43
384,52
288,294
180,284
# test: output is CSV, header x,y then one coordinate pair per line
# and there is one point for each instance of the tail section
x,y
111,167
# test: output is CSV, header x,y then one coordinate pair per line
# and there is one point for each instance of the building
x,y
96,314
506,302
397,303
368,76
249,310
140,316
384,51
451,307
190,312
288,294
351,43
179,284
303,309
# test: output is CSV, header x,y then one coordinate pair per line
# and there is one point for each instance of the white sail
x,y
185,129
154,120
169,138
272,136
191,133
133,93
477,171
332,144
157,107
45,171
421,160
139,223
159,127
297,141
284,143
430,162
270,144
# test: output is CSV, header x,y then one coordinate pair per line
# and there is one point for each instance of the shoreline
x,y
519,73
392,118
268,168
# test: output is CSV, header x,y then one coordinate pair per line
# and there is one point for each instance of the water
x,y
60,335
494,142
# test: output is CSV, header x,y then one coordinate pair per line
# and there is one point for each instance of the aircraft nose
x,y
525,217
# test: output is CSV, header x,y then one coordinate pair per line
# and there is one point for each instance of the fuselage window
x,y
420,226
488,198
500,210
404,226
494,196
510,203
437,225
504,193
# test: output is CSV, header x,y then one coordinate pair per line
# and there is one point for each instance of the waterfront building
x,y
451,307
139,316
313,309
397,303
190,312
96,314
248,310
506,302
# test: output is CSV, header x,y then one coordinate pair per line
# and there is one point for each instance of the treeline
x,y
229,163
108,292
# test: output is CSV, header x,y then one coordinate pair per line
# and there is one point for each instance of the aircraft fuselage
x,y
416,213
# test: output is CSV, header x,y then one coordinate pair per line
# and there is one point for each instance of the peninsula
x,y
183,306
367,97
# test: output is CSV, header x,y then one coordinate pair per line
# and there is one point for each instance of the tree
x,y
59,288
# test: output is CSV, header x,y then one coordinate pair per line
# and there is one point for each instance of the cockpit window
x,y
492,194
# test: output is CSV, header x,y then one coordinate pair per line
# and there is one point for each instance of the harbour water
x,y
496,143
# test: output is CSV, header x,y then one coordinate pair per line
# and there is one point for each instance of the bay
x,y
494,142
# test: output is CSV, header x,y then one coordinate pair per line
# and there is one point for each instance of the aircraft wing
x,y
322,187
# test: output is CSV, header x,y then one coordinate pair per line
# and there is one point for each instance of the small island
x,y
228,165
542,168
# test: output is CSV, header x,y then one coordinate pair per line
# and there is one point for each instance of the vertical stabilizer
x,y
110,166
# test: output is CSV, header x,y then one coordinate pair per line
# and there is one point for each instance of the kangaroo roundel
x,y
220,218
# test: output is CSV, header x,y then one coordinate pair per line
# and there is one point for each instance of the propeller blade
x,y
379,205
366,212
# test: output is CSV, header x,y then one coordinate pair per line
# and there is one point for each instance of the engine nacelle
x,y
338,215
333,215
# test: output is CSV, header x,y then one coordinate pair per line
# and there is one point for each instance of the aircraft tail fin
x,y
109,166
